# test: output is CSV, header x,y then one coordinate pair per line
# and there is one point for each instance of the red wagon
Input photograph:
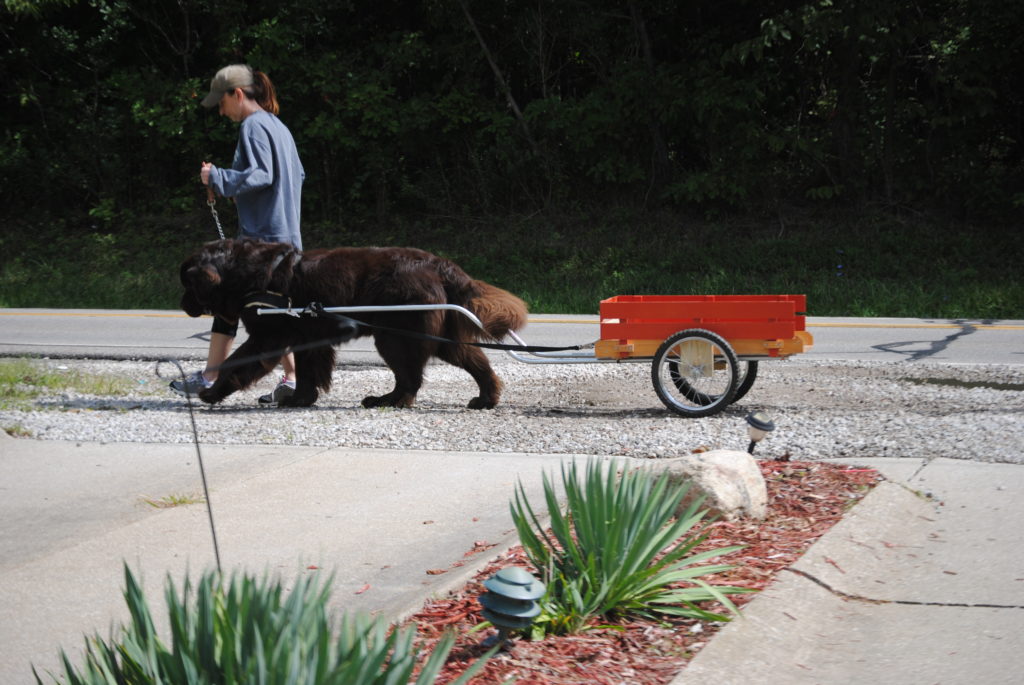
x,y
704,349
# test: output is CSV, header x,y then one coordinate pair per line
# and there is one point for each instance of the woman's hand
x,y
204,173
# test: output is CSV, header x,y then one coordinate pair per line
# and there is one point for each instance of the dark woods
x,y
457,107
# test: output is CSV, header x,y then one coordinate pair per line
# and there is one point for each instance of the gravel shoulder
x,y
821,410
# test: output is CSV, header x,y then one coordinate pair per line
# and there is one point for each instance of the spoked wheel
x,y
695,373
747,376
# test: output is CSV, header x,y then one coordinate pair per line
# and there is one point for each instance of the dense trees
x,y
453,106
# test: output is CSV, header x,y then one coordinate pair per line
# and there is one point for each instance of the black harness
x,y
316,309
270,299
348,327
266,299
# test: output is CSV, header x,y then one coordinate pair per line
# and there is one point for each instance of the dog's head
x,y
206,277
200,282
218,276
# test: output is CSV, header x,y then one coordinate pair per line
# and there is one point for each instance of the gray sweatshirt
x,y
265,179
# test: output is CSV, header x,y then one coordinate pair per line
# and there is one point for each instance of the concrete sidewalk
x,y
905,589
379,521
922,582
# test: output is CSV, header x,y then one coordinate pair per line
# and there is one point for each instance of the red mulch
x,y
804,501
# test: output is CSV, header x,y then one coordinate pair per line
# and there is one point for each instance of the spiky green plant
x,y
249,631
618,548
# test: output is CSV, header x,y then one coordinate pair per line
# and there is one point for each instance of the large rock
x,y
730,479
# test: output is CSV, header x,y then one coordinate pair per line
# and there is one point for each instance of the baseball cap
x,y
227,79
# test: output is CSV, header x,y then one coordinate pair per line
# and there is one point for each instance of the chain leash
x,y
211,201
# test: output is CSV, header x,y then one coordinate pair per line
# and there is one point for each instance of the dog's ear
x,y
200,283
203,276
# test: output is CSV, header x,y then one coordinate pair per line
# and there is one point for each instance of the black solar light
x,y
510,601
758,426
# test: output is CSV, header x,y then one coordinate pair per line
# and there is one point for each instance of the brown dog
x,y
224,275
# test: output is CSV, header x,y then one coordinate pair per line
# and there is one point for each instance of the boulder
x,y
731,481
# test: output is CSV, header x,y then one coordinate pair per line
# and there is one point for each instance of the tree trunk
x,y
502,84
661,165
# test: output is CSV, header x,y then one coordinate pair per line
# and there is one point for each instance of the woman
x,y
265,181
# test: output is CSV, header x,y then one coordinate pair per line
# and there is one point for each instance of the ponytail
x,y
263,92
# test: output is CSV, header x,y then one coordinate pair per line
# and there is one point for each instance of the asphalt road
x,y
155,334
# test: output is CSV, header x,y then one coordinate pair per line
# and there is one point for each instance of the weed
x,y
17,431
171,501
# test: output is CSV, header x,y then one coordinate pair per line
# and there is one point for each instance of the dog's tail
x,y
499,310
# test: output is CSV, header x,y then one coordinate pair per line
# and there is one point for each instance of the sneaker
x,y
191,385
285,388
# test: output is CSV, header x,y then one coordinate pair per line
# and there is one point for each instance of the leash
x,y
199,455
211,201
315,309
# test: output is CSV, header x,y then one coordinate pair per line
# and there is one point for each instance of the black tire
x,y
685,376
747,377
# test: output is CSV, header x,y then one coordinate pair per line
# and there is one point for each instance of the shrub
x,y
617,550
249,631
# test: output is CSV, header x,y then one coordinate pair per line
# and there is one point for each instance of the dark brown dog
x,y
224,275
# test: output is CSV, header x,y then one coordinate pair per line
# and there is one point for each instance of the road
x,y
156,334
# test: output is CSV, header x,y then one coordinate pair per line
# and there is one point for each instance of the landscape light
x,y
510,602
758,426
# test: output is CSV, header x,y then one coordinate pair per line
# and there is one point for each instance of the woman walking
x,y
265,181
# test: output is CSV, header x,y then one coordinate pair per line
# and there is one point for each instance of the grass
x,y
871,264
23,380
173,500
17,431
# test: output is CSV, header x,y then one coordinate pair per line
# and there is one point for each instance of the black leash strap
x,y
317,309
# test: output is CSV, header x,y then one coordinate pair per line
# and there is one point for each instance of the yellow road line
x,y
591,322
168,315
985,326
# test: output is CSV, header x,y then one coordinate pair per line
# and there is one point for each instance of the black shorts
x,y
225,327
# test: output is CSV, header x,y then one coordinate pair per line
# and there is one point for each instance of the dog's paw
x,y
389,400
298,400
481,403
210,396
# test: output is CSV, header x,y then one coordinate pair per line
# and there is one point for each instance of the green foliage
x,y
113,261
618,548
32,6
699,106
248,631
727,115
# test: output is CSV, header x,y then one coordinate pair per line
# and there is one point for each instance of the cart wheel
x,y
695,373
747,376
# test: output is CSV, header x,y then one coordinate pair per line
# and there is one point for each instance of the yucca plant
x,y
249,631
619,548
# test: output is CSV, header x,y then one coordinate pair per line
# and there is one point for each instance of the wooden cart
x,y
704,349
